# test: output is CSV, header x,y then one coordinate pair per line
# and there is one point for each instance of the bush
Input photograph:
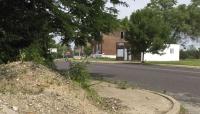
x,y
190,54
32,53
36,54
87,51
79,73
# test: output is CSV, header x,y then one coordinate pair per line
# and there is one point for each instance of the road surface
x,y
182,83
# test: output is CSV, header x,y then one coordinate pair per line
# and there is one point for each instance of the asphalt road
x,y
154,77
182,83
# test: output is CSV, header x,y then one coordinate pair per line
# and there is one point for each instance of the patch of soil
x,y
28,88
131,101
112,104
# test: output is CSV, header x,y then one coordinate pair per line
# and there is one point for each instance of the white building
x,y
53,50
171,53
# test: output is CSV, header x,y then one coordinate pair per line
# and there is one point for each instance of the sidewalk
x,y
137,101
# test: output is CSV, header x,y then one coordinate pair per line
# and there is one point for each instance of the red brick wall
x,y
109,43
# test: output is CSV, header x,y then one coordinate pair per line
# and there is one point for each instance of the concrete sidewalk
x,y
138,101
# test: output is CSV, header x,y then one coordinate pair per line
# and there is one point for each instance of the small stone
x,y
15,108
113,107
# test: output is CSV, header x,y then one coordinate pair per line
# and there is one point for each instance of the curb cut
x,y
176,106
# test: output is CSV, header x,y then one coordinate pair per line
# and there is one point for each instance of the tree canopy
x,y
148,32
23,22
162,22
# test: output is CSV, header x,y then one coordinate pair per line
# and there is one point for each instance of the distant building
x,y
171,53
53,50
114,45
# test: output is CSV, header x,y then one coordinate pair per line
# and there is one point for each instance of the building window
x,y
122,35
172,51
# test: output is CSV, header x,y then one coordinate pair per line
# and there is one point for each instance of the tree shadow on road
x,y
101,76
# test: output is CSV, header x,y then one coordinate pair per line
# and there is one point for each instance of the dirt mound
x,y
27,88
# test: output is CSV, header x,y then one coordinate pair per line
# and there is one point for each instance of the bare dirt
x,y
134,101
27,88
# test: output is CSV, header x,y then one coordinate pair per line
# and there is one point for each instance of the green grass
x,y
188,62
183,110
93,59
101,59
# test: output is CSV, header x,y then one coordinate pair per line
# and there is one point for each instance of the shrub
x,y
78,72
32,53
190,54
87,51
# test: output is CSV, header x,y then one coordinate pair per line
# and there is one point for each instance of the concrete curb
x,y
113,62
176,106
180,66
128,62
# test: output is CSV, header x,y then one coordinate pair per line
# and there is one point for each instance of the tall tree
x,y
148,32
124,23
183,19
22,22
194,14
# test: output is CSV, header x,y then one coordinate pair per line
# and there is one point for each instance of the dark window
x,y
122,35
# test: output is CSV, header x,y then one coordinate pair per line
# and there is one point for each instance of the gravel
x,y
28,88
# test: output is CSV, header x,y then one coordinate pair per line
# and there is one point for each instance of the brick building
x,y
113,45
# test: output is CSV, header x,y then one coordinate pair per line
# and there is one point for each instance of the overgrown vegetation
x,y
27,22
190,54
87,51
183,110
79,73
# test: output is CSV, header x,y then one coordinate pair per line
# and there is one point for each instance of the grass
x,y
122,85
183,110
94,59
102,59
187,62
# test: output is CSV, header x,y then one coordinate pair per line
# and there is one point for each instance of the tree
x,y
87,51
183,19
148,32
23,22
162,4
124,23
194,14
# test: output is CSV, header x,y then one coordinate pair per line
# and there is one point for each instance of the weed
x,y
122,85
183,110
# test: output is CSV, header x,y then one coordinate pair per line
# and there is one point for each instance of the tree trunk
x,y
142,57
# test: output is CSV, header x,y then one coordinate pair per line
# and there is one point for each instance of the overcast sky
x,y
138,4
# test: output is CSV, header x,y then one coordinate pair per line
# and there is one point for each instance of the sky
x,y
138,4
133,6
